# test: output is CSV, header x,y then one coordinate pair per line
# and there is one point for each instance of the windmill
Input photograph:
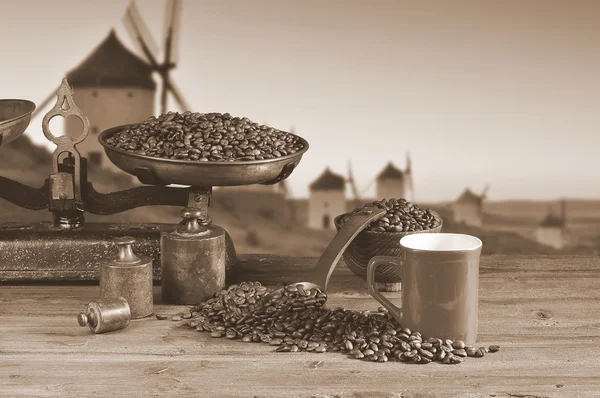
x,y
405,178
115,86
148,50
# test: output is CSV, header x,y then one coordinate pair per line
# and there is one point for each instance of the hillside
x,y
508,230
262,222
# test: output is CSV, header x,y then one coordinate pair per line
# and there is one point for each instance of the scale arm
x,y
117,202
23,195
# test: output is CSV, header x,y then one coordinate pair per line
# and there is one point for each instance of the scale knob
x,y
193,220
126,254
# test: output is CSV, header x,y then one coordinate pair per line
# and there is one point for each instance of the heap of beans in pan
x,y
205,137
296,320
401,216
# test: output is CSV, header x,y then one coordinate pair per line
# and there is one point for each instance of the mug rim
x,y
477,243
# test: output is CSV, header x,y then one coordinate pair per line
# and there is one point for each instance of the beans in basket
x,y
402,216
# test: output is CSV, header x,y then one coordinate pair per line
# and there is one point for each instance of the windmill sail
x,y
44,103
485,191
183,105
139,32
171,31
352,182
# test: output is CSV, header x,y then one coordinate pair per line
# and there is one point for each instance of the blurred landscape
x,y
265,222
479,95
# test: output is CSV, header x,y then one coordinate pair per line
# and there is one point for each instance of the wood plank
x,y
543,312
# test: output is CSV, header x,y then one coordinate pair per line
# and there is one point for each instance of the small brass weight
x,y
106,315
130,277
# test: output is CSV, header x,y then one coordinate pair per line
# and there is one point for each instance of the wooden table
x,y
543,311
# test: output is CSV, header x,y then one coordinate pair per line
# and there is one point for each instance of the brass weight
x,y
193,259
106,315
130,277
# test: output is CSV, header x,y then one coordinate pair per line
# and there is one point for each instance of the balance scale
x,y
68,248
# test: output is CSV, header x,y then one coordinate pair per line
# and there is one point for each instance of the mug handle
x,y
395,312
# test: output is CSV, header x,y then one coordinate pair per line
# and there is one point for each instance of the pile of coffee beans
x,y
205,137
402,216
295,320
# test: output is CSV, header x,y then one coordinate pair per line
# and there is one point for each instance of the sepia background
x,y
485,111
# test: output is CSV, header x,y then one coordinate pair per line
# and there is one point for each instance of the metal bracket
x,y
199,198
147,176
285,173
60,187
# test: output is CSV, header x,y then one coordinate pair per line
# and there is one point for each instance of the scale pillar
x,y
199,199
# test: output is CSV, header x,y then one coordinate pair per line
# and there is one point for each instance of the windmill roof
x,y
552,221
328,181
390,172
111,64
469,197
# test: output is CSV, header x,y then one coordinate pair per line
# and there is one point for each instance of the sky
x,y
481,92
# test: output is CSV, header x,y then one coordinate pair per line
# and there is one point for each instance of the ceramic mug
x,y
440,285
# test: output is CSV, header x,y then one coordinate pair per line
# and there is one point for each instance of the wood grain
x,y
543,311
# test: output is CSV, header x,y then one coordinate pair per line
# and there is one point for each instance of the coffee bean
x,y
460,353
458,345
426,354
424,361
471,351
175,318
455,360
494,348
161,317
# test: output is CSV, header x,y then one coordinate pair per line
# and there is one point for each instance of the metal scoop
x,y
319,277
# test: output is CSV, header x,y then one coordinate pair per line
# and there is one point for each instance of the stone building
x,y
552,230
468,208
395,183
327,200
112,87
